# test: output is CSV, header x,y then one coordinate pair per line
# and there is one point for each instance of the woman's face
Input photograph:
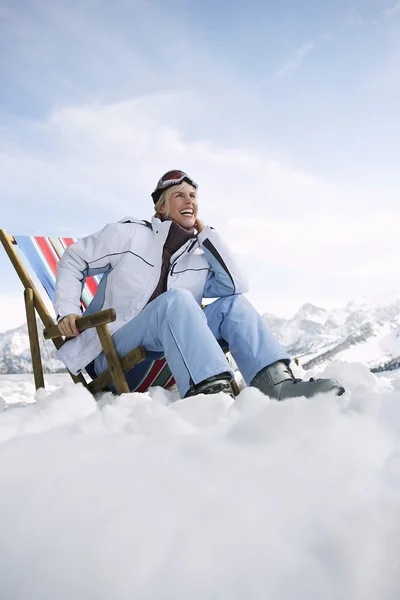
x,y
183,205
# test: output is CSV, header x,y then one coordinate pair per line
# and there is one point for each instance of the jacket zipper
x,y
171,272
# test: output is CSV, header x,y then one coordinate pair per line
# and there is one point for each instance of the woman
x,y
155,276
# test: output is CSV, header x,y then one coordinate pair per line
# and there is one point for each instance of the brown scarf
x,y
177,237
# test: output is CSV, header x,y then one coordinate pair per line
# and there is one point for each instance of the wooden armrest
x,y
100,318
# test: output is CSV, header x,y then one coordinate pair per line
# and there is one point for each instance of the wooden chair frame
x,y
117,367
34,304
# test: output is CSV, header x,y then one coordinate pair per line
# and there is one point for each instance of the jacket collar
x,y
160,231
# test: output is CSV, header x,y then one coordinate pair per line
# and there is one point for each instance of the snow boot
x,y
212,385
277,381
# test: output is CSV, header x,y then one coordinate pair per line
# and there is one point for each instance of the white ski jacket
x,y
129,254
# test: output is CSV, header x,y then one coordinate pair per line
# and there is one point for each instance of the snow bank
x,y
204,498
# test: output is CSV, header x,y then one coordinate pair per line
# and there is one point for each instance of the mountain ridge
x,y
15,354
366,331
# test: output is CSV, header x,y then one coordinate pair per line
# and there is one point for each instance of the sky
x,y
209,497
285,113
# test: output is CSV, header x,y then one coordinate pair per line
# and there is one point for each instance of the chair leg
x,y
235,387
33,339
113,360
129,361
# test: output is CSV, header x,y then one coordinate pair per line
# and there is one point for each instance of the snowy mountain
x,y
15,356
367,331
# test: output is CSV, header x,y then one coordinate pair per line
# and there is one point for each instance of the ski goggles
x,y
169,179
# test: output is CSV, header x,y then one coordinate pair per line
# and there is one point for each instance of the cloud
x,y
300,55
356,19
297,59
392,10
62,53
12,310
353,21
102,132
362,248
109,156
83,166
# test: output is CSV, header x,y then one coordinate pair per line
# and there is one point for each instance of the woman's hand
x,y
67,326
199,225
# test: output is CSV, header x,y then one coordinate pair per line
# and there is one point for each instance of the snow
x,y
374,350
203,498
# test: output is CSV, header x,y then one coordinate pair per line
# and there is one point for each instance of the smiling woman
x,y
179,203
155,277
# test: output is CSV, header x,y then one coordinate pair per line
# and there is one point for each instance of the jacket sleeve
x,y
89,256
226,276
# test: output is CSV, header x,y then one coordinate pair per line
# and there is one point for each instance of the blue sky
x,y
286,113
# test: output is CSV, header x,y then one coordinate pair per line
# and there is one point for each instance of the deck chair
x,y
43,253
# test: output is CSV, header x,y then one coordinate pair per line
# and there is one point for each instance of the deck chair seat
x,y
147,372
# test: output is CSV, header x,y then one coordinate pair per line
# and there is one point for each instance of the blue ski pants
x,y
190,337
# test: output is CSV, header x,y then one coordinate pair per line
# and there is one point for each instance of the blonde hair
x,y
165,199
